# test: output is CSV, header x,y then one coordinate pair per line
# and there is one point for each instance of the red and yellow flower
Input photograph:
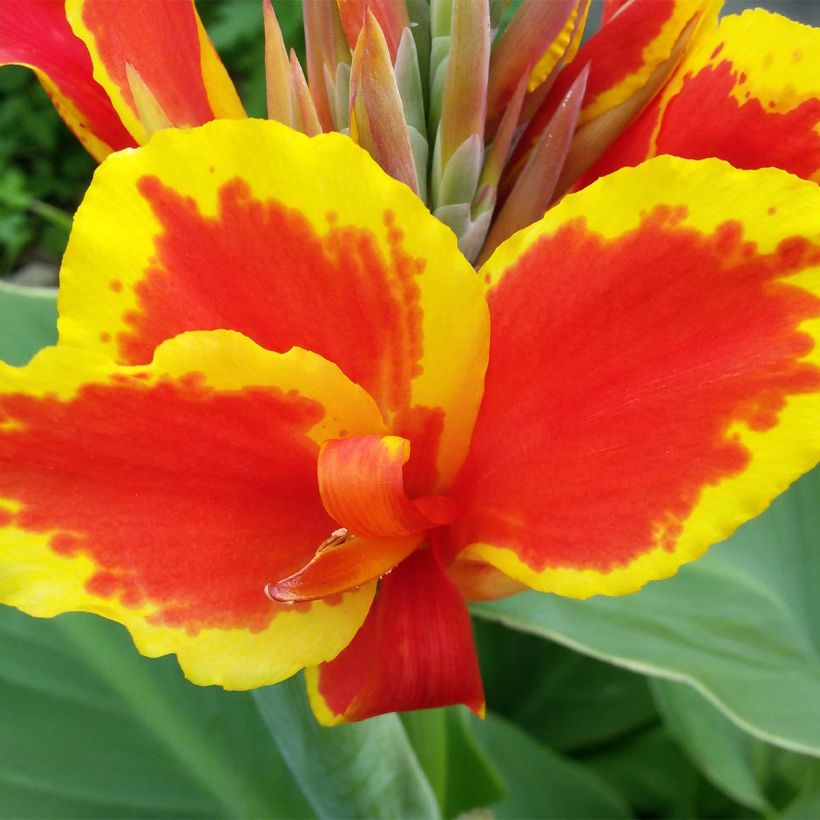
x,y
287,426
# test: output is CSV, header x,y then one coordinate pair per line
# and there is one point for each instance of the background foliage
x,y
697,697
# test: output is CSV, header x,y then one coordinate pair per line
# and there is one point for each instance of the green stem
x,y
56,216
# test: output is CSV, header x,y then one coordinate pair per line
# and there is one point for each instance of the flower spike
x,y
534,28
391,15
326,48
277,69
307,119
377,120
536,186
465,86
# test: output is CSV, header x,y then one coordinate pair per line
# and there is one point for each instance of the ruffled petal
x,y
291,241
361,480
35,33
415,651
163,44
654,378
166,496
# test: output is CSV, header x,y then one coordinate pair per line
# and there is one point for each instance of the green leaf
x,y
28,321
541,783
90,729
807,802
741,624
366,769
724,753
568,700
459,770
652,773
754,773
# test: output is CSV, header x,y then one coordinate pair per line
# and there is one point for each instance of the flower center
x,y
362,487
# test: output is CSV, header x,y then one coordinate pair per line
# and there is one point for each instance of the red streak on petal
x,y
183,497
603,423
260,268
705,120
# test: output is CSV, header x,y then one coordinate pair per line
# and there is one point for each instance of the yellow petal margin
x,y
167,46
753,88
654,377
292,241
166,496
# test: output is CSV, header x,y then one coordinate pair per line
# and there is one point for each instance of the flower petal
x,y
291,241
414,651
748,93
361,482
622,56
166,44
654,377
35,33
166,496
344,565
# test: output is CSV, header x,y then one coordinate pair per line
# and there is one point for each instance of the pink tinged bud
x,y
536,185
305,118
151,114
411,90
465,86
391,14
377,120
340,97
277,69
326,47
535,27
499,151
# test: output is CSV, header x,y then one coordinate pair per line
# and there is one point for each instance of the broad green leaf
x,y
459,770
652,773
755,773
366,769
541,783
724,753
567,700
28,321
89,728
741,625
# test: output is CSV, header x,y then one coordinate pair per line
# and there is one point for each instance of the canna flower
x,y
287,426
